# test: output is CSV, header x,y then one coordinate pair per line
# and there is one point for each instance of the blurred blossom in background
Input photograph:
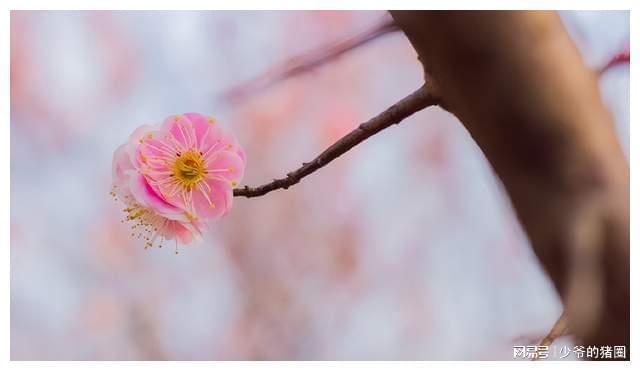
x,y
405,248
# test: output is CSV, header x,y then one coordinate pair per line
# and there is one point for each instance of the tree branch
x,y
520,86
622,58
306,62
404,108
560,328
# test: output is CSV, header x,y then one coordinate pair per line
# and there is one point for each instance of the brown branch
x,y
519,85
307,62
560,328
404,108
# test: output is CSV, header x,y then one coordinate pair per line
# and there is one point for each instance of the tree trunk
x,y
518,84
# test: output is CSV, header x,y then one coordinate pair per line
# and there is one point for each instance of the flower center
x,y
189,169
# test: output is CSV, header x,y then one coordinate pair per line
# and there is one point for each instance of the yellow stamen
x,y
189,169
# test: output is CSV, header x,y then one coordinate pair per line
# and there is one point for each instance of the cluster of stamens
x,y
146,224
188,169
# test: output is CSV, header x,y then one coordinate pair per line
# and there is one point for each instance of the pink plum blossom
x,y
176,176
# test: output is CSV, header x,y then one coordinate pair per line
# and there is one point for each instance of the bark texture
x,y
518,84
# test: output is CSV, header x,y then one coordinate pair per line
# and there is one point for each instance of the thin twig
x,y
624,57
404,108
560,328
307,62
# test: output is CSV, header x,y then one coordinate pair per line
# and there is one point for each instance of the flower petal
x,y
181,131
226,165
121,163
156,151
148,197
212,201
134,141
200,124
183,234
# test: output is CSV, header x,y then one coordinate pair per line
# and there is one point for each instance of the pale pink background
x,y
406,248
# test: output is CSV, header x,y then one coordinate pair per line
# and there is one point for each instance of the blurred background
x,y
406,248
